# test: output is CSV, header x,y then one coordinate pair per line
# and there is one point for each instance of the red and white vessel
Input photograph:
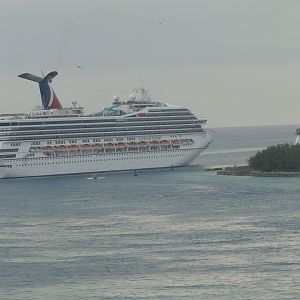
x,y
134,134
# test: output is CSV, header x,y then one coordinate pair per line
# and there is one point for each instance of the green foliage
x,y
282,157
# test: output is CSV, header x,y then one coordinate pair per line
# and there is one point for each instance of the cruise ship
x,y
135,134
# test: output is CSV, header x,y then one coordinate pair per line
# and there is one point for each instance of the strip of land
x,y
247,171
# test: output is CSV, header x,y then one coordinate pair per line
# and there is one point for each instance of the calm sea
x,y
173,234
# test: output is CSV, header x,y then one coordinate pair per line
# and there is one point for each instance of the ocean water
x,y
170,234
233,146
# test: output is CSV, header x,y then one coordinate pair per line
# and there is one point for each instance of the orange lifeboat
x,y
72,147
86,146
110,145
62,147
98,145
48,148
164,142
176,142
120,145
132,144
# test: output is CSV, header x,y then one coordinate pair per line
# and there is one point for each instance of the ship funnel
x,y
49,99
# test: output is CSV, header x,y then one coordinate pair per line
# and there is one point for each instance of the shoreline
x,y
246,171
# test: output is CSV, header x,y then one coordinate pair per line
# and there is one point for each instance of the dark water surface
x,y
181,234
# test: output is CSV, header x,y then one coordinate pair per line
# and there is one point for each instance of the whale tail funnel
x,y
49,98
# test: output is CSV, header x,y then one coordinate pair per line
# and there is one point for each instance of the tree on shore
x,y
282,157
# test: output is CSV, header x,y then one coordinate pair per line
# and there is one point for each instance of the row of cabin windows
x,y
7,155
9,150
184,130
61,142
129,119
119,131
141,122
15,144
125,127
97,160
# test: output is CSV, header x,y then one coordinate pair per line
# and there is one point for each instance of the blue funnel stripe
x,y
49,99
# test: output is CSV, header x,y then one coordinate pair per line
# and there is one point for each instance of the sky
x,y
235,62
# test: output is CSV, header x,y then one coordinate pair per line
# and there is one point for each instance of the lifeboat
x,y
165,142
176,142
62,148
48,148
98,146
73,147
110,145
132,144
86,146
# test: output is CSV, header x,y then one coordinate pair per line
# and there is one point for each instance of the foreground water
x,y
181,234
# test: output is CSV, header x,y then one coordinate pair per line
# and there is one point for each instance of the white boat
x,y
130,135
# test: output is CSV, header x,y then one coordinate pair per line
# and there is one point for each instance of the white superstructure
x,y
129,135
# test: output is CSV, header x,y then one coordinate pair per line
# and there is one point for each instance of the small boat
x,y
94,177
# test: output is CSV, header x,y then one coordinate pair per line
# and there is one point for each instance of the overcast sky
x,y
236,62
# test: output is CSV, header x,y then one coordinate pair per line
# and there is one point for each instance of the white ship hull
x,y
132,134
109,162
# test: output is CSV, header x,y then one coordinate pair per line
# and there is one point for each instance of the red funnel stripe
x,y
55,103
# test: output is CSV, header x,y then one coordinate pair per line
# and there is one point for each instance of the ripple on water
x,y
161,235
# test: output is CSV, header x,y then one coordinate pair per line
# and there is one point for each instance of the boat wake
x,y
95,178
